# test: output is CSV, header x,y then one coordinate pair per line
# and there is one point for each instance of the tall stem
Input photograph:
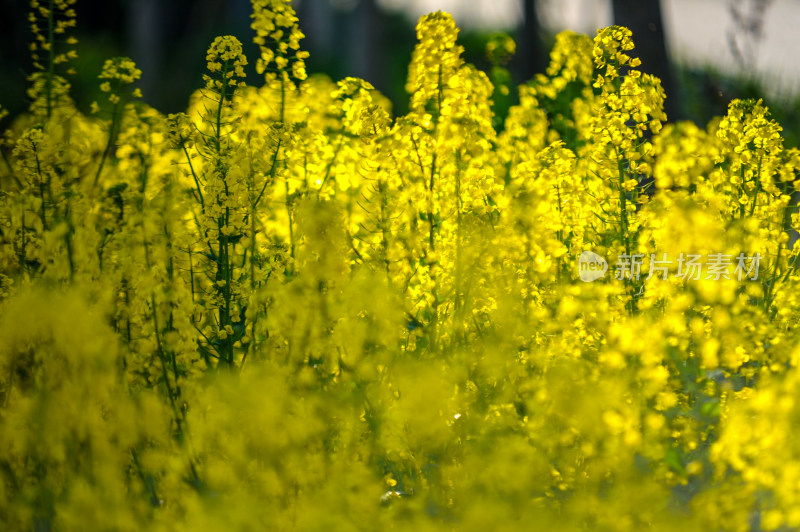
x,y
51,59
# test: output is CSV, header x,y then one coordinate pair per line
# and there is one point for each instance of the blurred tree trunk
x,y
531,55
146,44
363,53
316,21
643,18
345,41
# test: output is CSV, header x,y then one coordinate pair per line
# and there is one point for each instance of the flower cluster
x,y
278,36
119,72
226,63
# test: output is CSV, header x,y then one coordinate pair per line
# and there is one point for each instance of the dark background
x,y
168,40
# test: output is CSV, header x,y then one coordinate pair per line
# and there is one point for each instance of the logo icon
x,y
591,266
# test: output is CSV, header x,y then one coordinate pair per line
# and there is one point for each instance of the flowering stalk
x,y
49,22
118,72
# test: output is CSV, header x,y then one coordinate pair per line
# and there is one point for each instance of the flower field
x,y
288,309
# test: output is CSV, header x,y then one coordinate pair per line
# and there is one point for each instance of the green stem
x,y
191,272
757,188
23,260
384,204
224,263
11,169
41,189
623,223
111,135
160,349
330,165
291,221
196,180
434,333
51,62
270,175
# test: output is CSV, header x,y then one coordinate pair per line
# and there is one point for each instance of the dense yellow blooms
x,y
289,309
278,36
